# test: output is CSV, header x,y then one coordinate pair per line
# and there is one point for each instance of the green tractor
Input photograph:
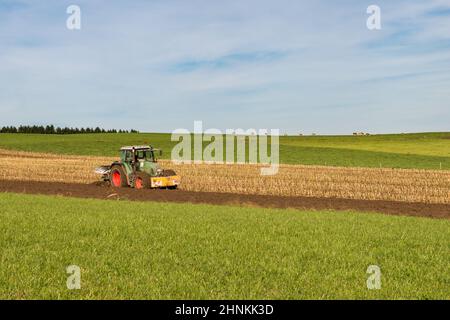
x,y
138,168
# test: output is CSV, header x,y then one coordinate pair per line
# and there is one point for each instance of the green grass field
x,y
182,251
424,150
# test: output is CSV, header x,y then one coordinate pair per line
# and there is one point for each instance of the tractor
x,y
138,168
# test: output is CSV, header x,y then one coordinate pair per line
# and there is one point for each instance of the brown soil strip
x,y
105,192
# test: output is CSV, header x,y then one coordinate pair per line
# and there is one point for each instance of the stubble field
x,y
407,185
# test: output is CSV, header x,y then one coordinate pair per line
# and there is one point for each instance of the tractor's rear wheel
x,y
118,177
142,181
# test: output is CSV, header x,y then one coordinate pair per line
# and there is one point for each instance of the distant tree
x,y
51,129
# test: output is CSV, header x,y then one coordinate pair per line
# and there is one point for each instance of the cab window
x,y
128,156
144,154
140,154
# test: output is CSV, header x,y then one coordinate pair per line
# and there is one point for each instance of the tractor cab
x,y
140,158
138,153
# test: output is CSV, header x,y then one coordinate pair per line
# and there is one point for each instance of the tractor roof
x,y
135,148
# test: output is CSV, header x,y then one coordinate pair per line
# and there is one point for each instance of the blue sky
x,y
298,66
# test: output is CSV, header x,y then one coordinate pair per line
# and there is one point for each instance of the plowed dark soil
x,y
98,191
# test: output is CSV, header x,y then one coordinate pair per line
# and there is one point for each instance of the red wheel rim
x,y
138,183
116,178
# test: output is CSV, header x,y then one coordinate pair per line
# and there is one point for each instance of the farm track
x,y
103,191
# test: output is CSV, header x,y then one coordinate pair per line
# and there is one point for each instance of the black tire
x,y
172,187
142,180
117,177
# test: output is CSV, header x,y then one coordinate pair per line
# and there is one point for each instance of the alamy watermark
x,y
73,22
74,279
232,151
374,280
374,20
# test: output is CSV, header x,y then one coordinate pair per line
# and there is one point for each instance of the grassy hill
x,y
132,250
420,150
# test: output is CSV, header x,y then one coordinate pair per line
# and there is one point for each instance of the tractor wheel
x,y
142,180
117,177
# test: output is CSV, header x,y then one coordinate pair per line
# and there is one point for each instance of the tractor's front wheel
x,y
117,177
142,181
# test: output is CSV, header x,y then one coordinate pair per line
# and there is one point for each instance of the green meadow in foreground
x,y
420,150
182,251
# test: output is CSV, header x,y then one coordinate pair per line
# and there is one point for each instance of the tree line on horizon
x,y
51,129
